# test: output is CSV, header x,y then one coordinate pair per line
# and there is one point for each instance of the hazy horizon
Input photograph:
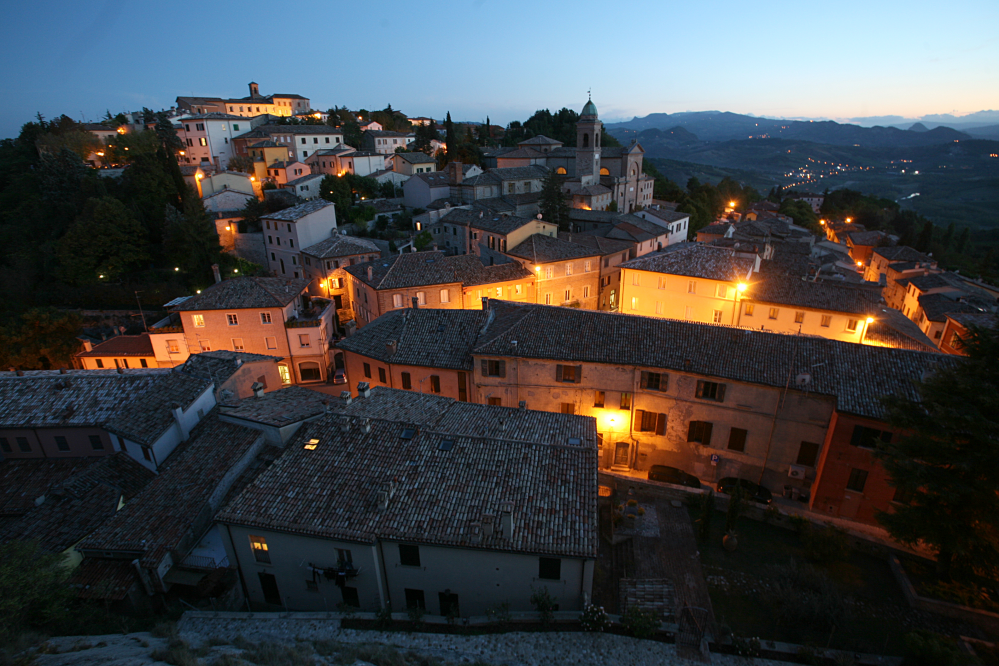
x,y
850,60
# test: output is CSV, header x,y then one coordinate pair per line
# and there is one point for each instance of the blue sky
x,y
506,59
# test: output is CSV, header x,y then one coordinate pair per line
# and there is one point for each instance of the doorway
x,y
268,583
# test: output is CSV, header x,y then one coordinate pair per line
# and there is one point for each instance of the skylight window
x,y
446,445
575,441
409,433
311,444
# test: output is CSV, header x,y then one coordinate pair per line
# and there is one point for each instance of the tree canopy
x,y
554,206
944,460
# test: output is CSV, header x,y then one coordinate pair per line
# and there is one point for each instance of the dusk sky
x,y
506,59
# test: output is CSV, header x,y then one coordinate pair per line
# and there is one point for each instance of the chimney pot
x,y
391,347
371,273
363,389
346,398
522,404
416,303
485,302
218,275
366,425
258,389
121,371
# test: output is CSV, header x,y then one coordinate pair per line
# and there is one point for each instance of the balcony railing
x,y
311,317
204,563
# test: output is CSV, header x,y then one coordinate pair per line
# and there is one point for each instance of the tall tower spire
x,y
588,144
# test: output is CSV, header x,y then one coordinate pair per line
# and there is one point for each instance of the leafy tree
x,y
167,134
32,587
948,237
352,135
240,163
424,135
962,242
336,189
925,237
422,240
451,139
190,238
802,214
554,206
944,460
40,339
104,243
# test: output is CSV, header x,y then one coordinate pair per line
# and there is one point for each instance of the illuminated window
x,y
774,312
421,297
799,317
517,289
598,398
634,302
397,300
173,347
285,373
851,325
691,287
549,272
826,320
716,316
260,552
560,171
662,282
445,296
199,320
206,345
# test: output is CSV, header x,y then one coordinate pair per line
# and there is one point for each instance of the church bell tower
x,y
588,145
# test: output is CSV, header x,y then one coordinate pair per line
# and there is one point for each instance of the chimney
x,y
215,270
416,303
485,302
506,519
488,524
87,346
386,493
62,371
20,373
239,362
121,371
475,532
178,416
522,404
435,247
371,274
391,347
366,425
258,390
363,389
345,398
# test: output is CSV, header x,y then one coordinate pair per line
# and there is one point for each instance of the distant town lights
x,y
176,268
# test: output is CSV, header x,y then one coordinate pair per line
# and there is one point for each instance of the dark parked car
x,y
673,475
750,490
340,377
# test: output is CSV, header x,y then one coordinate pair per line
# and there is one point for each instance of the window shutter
x,y
690,431
661,424
485,368
707,434
502,368
639,415
644,383
579,373
721,393
558,373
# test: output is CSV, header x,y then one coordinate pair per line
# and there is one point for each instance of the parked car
x,y
340,376
673,475
750,490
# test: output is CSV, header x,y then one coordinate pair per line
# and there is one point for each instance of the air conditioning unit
x,y
796,472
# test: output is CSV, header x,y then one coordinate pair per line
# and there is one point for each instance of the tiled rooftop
x,y
967,319
278,408
416,158
439,492
24,481
135,404
901,253
75,507
452,332
543,249
339,245
245,292
161,517
299,211
122,345
304,179
434,178
599,244
891,328
221,364
695,260
419,269
795,292
937,306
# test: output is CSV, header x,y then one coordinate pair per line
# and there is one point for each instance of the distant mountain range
x,y
979,119
726,126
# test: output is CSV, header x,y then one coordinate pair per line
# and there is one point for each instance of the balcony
x,y
312,317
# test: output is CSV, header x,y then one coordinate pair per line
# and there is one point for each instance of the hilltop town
x,y
456,375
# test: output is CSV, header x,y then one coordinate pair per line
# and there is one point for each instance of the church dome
x,y
590,109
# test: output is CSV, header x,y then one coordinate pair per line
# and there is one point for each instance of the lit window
x,y
445,296
517,289
691,287
774,312
549,272
260,551
173,347
421,297
716,316
659,307
851,325
634,302
799,317
206,345
199,320
662,282
397,300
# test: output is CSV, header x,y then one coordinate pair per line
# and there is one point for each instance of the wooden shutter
x,y
691,431
579,373
644,383
639,415
721,393
485,368
558,373
502,368
661,424
706,430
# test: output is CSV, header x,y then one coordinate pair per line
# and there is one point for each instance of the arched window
x,y
560,171
634,172
309,372
586,140
604,171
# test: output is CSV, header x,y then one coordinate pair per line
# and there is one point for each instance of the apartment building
x,y
691,281
265,316
386,142
210,138
288,231
566,273
302,141
121,351
381,532
409,164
